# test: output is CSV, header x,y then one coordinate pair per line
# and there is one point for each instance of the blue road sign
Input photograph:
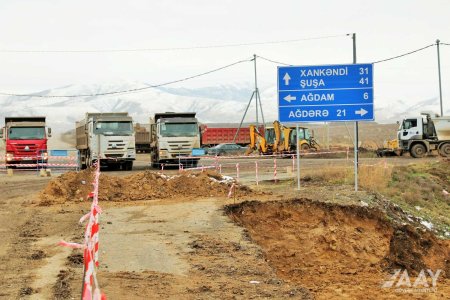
x,y
325,93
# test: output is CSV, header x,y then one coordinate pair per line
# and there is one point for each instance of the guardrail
x,y
55,160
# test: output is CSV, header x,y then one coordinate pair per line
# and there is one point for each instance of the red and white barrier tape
x,y
91,244
275,169
256,173
232,189
203,168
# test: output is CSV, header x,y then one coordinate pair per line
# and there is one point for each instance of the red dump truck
x,y
213,135
25,140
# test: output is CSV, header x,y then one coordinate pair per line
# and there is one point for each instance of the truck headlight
x,y
9,156
44,155
163,153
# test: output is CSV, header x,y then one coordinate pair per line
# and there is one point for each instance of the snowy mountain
x,y
218,104
63,112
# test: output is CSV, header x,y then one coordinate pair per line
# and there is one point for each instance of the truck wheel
x,y
444,150
304,147
129,166
418,151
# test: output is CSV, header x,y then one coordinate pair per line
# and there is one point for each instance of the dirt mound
x,y
338,251
75,186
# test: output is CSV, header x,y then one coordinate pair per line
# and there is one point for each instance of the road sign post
x,y
327,93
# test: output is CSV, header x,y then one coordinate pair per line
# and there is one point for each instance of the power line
x,y
404,54
273,61
130,90
375,62
173,48
197,75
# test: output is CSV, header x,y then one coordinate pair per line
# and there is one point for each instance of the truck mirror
x,y
1,133
49,130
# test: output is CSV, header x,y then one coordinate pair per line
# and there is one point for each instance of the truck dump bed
x,y
215,136
442,127
24,119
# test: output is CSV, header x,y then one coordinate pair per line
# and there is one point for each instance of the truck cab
x,y
25,140
173,137
425,134
108,137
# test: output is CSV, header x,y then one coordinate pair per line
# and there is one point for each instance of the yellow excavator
x,y
390,148
257,141
280,139
285,139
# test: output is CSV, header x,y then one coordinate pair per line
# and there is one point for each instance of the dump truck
x,y
425,134
142,136
108,137
173,137
215,134
25,140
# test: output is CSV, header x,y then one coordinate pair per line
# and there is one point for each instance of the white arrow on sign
x,y
361,112
286,79
290,98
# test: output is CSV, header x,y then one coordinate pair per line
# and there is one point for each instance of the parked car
x,y
226,149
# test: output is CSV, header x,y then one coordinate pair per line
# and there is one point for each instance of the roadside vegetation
x,y
421,190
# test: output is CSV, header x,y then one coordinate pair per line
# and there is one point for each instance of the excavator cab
x,y
305,140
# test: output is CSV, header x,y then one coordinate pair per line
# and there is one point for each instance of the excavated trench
x,y
338,251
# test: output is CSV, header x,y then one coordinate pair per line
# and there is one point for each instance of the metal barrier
x,y
60,160
56,160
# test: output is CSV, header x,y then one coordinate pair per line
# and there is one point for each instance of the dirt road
x,y
187,246
169,248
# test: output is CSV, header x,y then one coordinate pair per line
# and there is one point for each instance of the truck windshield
x,y
179,129
26,133
114,128
407,124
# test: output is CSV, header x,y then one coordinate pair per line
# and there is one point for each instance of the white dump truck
x,y
425,134
173,137
108,137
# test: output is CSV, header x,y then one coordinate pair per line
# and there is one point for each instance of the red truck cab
x,y
25,140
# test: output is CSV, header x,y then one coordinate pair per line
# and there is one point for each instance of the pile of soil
x,y
75,186
332,249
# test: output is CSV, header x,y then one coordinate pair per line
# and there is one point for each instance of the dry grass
x,y
418,189
329,175
375,178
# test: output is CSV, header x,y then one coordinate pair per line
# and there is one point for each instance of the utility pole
x,y
356,124
257,101
439,73
256,90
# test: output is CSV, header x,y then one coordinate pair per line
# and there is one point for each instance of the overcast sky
x,y
384,29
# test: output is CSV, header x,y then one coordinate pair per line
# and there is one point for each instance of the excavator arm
x,y
277,143
257,141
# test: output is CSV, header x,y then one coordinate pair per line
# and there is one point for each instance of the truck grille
x,y
184,147
114,155
116,145
21,149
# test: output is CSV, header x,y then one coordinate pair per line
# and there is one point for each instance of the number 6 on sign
x,y
366,96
